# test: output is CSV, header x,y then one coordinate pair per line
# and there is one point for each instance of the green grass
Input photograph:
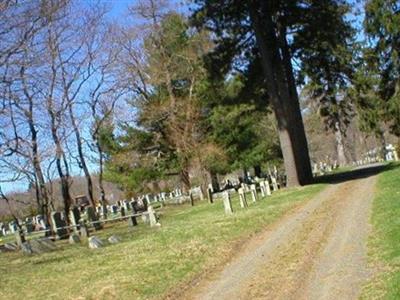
x,y
149,262
384,242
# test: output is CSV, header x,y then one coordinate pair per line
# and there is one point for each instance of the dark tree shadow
x,y
361,172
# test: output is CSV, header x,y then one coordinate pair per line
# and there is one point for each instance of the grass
x,y
384,242
149,262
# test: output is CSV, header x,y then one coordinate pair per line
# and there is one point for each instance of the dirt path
x,y
317,252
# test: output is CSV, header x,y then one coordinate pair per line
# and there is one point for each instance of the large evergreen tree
x,y
268,29
382,27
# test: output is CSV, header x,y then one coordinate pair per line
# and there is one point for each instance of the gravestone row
x,y
264,187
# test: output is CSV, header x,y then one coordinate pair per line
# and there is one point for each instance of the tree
x,y
22,25
168,75
239,122
382,27
326,63
260,27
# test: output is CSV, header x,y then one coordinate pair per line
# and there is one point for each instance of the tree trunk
x,y
185,179
41,184
382,141
214,181
82,160
257,171
340,145
286,107
60,158
103,199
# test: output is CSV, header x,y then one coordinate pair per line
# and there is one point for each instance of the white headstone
x,y
227,203
242,198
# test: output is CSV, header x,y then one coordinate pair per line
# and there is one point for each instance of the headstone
x,y
242,198
114,209
43,225
145,218
84,230
274,184
148,199
11,246
163,196
58,223
29,226
74,217
227,203
253,190
145,203
74,239
104,211
95,242
126,205
114,239
263,189
47,243
4,230
152,217
93,218
37,247
38,218
99,210
26,248
201,195
12,226
267,187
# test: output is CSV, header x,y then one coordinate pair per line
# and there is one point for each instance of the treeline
x,y
161,94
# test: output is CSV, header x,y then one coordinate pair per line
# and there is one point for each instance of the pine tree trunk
x,y
214,181
286,107
340,145
257,171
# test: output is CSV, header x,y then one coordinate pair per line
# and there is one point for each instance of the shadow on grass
x,y
358,173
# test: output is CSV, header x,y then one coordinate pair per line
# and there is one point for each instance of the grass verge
x,y
149,262
384,242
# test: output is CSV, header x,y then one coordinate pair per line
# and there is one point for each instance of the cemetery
x,y
144,254
86,220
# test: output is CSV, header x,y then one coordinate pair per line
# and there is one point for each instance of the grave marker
x,y
242,198
58,223
93,218
253,190
227,203
74,217
274,184
152,217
